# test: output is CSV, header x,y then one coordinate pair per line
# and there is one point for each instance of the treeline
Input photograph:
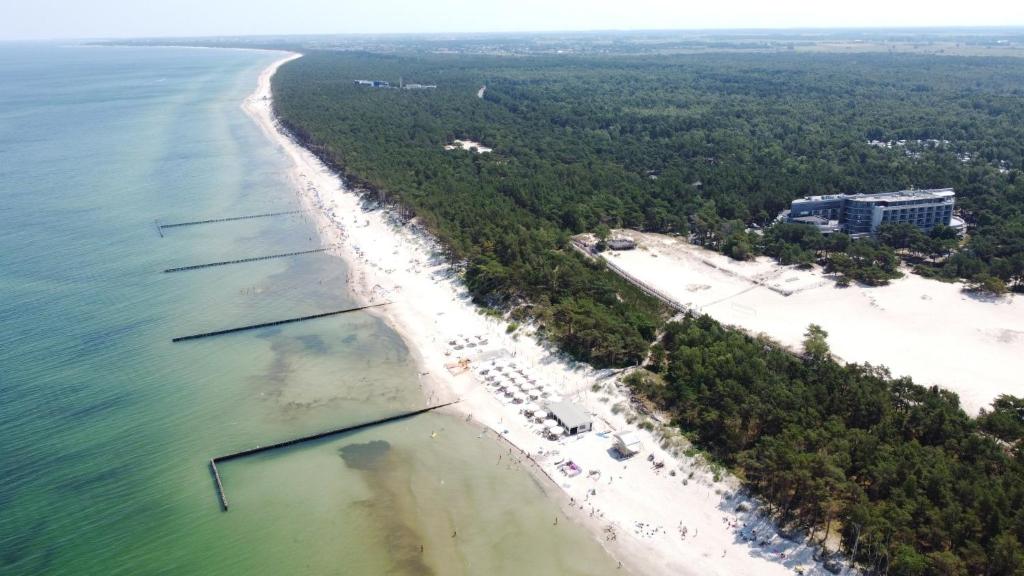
x,y
908,481
987,265
707,145
500,213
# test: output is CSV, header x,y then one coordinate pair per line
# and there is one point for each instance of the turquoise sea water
x,y
106,426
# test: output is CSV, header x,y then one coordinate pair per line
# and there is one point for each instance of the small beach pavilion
x,y
627,443
571,417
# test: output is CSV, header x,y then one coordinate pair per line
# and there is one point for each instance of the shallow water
x,y
107,426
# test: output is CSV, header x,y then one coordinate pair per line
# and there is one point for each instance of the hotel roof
x,y
934,193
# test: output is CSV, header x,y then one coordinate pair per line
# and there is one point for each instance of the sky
x,y
64,19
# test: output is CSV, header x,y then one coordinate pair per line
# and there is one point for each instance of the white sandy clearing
x,y
469,146
929,330
393,261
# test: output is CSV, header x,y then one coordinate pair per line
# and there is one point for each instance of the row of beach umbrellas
x,y
517,383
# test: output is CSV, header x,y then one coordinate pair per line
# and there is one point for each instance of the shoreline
x,y
684,521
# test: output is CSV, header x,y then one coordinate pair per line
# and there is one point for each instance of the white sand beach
x,y
926,329
469,146
637,510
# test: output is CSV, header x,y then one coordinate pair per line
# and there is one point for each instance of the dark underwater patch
x,y
366,456
314,343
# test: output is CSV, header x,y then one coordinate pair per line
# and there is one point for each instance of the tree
x,y
1007,556
815,344
986,284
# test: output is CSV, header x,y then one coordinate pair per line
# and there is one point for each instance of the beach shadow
x,y
984,297
759,534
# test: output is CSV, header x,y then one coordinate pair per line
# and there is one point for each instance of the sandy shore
x,y
929,330
636,510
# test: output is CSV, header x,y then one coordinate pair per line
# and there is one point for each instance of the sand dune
x,y
929,330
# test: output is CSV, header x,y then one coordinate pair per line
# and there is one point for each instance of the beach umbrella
x,y
518,396
531,407
540,414
556,430
550,423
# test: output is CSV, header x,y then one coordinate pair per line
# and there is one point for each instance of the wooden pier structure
x,y
229,219
251,451
276,323
244,260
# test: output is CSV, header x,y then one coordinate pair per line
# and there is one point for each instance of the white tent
x,y
556,430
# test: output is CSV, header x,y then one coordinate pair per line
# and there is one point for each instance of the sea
x,y
107,426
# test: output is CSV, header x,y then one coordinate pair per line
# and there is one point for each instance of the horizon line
x,y
893,28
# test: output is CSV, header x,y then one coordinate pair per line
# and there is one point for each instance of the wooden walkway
x,y
644,287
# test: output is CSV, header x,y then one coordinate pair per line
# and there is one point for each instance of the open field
x,y
929,330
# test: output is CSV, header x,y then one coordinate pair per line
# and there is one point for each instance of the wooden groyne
x,y
244,260
158,229
220,485
275,323
232,218
251,451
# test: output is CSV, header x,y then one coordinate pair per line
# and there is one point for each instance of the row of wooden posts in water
x,y
320,435
244,260
258,449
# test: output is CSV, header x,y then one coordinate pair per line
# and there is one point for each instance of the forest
x,y
713,146
912,485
